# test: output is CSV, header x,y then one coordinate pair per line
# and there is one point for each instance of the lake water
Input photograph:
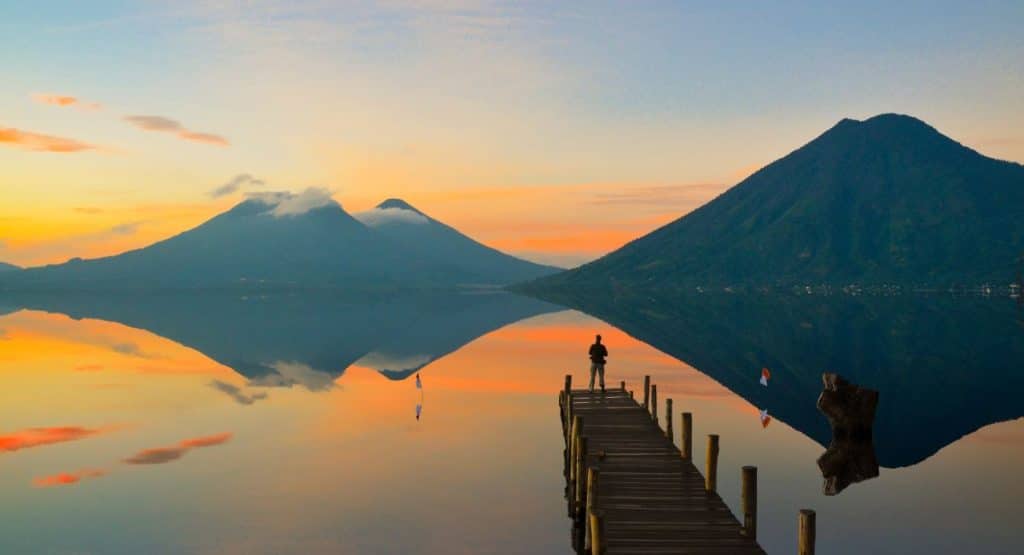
x,y
282,423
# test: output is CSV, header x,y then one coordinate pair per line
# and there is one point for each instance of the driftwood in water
x,y
850,409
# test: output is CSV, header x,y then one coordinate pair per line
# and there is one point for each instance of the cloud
x,y
161,455
65,101
312,197
129,228
236,393
287,374
661,196
209,138
88,210
270,198
127,348
157,455
291,204
235,183
383,216
380,360
67,478
37,437
208,441
88,367
167,125
154,123
38,142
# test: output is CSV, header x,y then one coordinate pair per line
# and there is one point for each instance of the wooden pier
x,y
630,490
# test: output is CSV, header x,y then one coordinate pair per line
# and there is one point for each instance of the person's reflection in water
x,y
598,352
419,405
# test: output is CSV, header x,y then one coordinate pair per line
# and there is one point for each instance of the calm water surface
x,y
272,425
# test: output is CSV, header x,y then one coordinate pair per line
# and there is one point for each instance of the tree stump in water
x,y
850,457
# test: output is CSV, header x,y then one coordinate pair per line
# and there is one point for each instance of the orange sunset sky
x,y
553,131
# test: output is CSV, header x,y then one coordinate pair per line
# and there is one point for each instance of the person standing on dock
x,y
598,352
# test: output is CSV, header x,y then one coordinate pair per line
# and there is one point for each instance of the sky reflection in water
x,y
233,466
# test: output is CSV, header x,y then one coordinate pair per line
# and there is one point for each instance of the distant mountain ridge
x,y
885,200
5,267
282,240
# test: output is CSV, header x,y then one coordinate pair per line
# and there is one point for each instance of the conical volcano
x,y
885,200
412,229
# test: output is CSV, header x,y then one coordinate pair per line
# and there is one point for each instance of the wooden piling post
x,y
561,415
570,454
570,462
668,420
597,532
711,467
806,532
647,392
561,409
581,481
591,504
686,441
593,474
567,392
749,504
622,385
654,403
577,430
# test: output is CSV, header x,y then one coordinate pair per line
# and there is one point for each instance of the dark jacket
x,y
597,353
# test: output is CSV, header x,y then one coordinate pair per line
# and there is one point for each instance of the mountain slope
x,y
399,221
4,267
889,199
253,244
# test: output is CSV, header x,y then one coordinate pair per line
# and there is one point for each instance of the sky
x,y
556,131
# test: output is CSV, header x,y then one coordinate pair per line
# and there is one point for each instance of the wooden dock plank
x,y
652,500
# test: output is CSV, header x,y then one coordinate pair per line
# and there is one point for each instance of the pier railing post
x,y
561,415
577,430
653,402
581,480
668,421
711,467
749,504
806,532
622,385
570,462
597,534
593,476
561,410
566,409
686,441
647,392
